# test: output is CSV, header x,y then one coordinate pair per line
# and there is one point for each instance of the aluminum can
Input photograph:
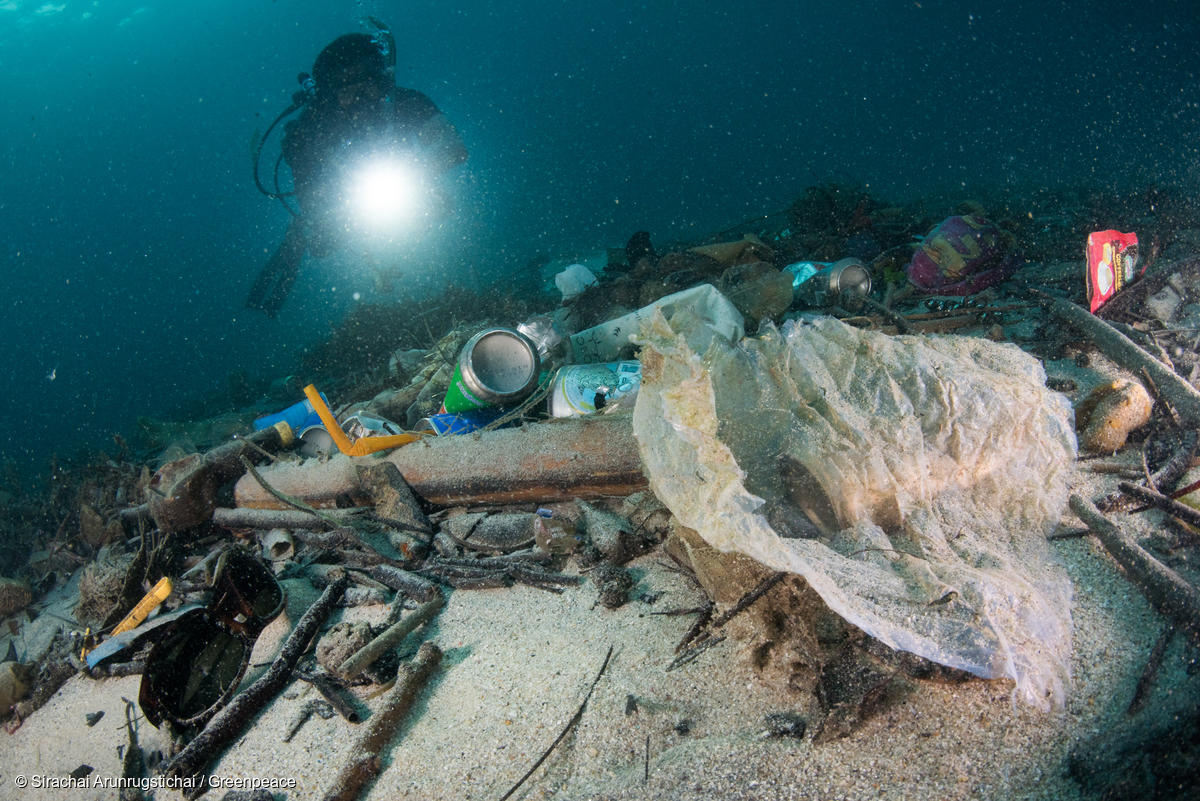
x,y
844,283
497,367
580,389
448,423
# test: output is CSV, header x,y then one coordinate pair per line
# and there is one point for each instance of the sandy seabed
x,y
518,663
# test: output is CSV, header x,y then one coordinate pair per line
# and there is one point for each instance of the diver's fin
x,y
275,280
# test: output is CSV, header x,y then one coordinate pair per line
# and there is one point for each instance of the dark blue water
x,y
132,228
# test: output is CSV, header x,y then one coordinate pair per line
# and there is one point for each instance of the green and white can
x,y
497,367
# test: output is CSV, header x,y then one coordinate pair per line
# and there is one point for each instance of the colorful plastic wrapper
x,y
961,256
1112,259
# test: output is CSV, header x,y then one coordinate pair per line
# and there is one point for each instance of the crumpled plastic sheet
x,y
911,480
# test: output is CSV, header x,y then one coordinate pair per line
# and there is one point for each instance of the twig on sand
x,y
697,627
1112,343
702,628
1172,507
690,610
366,656
1158,396
332,694
1166,590
418,587
1141,693
691,654
566,729
1069,534
1164,478
240,517
747,600
1114,469
365,763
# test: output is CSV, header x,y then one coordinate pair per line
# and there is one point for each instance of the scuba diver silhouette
x,y
351,113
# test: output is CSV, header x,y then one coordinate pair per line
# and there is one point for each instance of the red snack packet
x,y
1111,264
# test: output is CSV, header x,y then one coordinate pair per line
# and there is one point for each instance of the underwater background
x,y
132,229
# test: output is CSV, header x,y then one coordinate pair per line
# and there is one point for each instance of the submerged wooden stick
x,y
365,763
1121,349
363,659
231,720
1169,505
333,695
1141,693
419,587
1164,478
279,518
1166,590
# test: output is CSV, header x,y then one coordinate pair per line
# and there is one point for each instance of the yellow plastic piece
x,y
150,601
365,445
89,642
144,607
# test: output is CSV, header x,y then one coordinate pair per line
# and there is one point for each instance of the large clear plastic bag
x,y
910,480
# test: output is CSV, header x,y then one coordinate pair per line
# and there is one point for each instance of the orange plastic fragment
x,y
364,445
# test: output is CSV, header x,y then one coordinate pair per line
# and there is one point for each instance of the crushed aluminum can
x,y
316,441
360,425
449,423
546,334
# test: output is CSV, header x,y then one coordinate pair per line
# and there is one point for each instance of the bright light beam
x,y
385,193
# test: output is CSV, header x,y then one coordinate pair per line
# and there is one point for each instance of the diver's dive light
x,y
385,192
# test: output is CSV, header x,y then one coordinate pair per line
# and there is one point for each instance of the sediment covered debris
x,y
905,546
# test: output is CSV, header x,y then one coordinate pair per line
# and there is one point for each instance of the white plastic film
x,y
910,480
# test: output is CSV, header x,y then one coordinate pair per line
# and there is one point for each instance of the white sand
x,y
519,660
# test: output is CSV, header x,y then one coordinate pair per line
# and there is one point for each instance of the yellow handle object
x,y
144,607
89,644
150,601
364,445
